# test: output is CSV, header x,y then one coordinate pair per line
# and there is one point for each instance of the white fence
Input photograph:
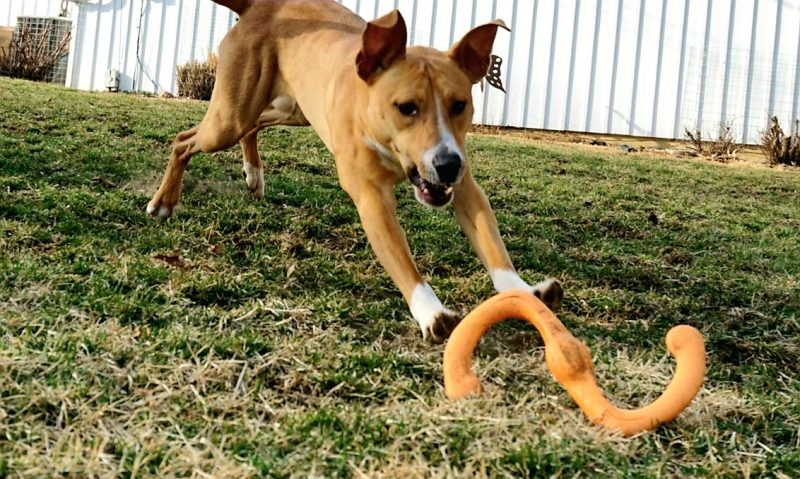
x,y
640,67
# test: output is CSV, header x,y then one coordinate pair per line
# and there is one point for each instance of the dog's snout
x,y
448,166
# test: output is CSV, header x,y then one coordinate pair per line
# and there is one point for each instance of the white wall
x,y
642,67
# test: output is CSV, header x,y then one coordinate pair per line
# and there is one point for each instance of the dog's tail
x,y
238,6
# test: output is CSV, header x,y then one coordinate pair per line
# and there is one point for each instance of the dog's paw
x,y
440,327
158,209
254,178
550,292
435,321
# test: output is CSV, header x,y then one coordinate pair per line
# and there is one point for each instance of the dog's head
x,y
420,102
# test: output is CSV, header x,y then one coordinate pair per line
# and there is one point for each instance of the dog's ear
x,y
473,52
383,43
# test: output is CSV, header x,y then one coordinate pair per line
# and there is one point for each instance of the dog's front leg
x,y
377,207
477,219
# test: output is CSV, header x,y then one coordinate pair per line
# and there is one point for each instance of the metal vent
x,y
56,29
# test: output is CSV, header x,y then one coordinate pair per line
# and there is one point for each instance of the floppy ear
x,y
383,43
473,51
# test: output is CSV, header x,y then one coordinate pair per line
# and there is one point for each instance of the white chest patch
x,y
373,145
385,154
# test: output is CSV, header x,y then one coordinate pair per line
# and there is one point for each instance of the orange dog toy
x,y
571,364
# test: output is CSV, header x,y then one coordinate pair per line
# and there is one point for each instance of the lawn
x,y
262,338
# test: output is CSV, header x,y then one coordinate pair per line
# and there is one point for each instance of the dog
x,y
387,113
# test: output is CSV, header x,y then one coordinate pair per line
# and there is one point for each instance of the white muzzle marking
x,y
447,142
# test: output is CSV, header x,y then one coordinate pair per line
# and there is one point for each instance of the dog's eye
x,y
458,107
408,108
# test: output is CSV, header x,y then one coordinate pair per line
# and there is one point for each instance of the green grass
x,y
251,337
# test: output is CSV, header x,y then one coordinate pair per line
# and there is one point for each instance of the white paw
x,y
549,291
435,321
254,177
158,211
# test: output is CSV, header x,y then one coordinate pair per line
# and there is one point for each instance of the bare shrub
x,y
779,148
196,79
695,137
33,55
723,148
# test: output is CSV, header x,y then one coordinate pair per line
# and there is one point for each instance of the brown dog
x,y
386,112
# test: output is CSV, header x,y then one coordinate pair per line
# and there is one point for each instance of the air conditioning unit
x,y
53,31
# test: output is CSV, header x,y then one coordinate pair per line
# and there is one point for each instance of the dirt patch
x,y
746,156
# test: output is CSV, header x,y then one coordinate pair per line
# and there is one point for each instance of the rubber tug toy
x,y
570,362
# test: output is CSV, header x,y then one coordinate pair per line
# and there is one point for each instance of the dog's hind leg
x,y
283,110
252,169
241,93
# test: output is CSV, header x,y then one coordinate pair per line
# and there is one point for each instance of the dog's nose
x,y
448,166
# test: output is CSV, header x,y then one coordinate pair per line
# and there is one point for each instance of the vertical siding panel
x,y
681,66
515,72
796,105
614,69
94,46
531,61
726,82
636,66
79,49
193,50
433,22
157,88
704,68
141,46
413,32
659,65
71,77
210,45
510,65
572,55
750,71
776,46
73,71
487,92
173,87
582,70
593,74
125,60
551,67
112,38
452,23
474,12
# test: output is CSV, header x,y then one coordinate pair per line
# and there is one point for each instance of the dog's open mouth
x,y
431,194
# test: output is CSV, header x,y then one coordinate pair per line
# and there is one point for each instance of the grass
x,y
262,338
